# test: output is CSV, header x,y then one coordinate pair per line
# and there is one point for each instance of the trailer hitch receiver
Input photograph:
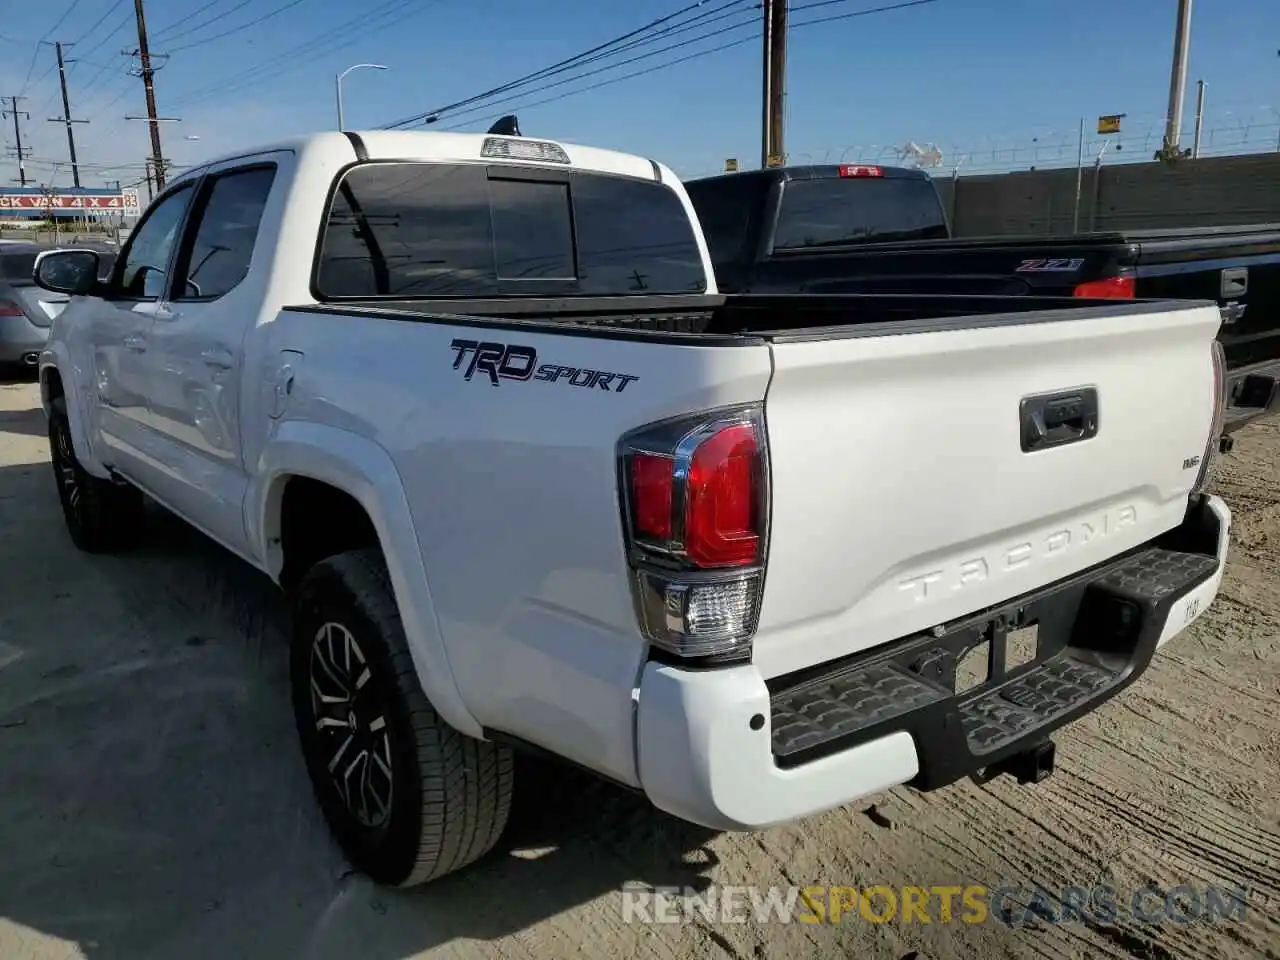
x,y
1033,765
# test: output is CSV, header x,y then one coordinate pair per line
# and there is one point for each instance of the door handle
x,y
220,359
1052,420
135,343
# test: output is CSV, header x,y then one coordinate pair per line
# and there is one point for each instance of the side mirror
x,y
73,272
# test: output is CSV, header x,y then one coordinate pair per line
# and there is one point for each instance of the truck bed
x,y
719,319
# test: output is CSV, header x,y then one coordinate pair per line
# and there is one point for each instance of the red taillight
x,y
696,509
1112,288
700,502
860,170
10,309
720,528
651,480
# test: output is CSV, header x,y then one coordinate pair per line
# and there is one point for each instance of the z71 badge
x,y
1060,265
509,361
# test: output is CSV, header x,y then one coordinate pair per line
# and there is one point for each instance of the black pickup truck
x,y
856,228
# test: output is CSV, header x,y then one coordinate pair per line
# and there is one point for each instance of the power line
x,y
100,21
190,16
626,41
125,73
559,67
346,33
48,70
468,116
124,22
71,69
480,110
610,49
630,60
41,162
701,20
62,19
26,82
337,38
200,26
698,22
234,30
857,13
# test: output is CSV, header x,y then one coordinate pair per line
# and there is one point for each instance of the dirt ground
x,y
153,804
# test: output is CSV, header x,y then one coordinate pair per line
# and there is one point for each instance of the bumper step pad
x,y
1097,631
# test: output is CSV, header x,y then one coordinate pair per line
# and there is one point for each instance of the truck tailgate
x,y
908,488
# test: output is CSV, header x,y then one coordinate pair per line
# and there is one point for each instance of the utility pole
x,y
772,149
66,117
1177,82
21,152
147,72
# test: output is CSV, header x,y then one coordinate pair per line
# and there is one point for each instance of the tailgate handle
x,y
1056,419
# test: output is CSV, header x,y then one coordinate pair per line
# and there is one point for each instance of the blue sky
x,y
972,76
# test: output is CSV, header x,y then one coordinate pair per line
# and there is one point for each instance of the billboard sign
x,y
32,202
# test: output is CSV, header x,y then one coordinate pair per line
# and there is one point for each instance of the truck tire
x,y
101,515
407,797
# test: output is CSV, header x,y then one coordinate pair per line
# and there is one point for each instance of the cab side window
x,y
227,219
145,264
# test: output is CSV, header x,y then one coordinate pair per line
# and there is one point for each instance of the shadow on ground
x,y
11,373
26,423
156,805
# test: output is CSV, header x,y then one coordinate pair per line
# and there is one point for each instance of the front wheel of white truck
x,y
407,797
101,515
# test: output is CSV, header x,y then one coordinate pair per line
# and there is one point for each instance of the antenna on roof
x,y
507,126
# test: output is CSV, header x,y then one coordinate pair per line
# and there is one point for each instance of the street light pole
x,y
337,82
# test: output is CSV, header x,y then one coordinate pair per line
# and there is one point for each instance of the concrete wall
x,y
1214,191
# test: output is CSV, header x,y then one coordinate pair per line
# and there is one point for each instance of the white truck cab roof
x,y
423,146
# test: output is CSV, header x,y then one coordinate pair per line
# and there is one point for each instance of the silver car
x,y
26,311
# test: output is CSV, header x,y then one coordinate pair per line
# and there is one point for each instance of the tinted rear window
x,y
466,230
17,267
725,206
819,213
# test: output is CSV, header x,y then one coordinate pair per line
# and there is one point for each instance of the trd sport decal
x,y
507,361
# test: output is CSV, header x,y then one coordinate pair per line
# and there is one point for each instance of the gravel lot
x,y
153,804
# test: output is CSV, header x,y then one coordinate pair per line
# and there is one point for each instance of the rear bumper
x,y
725,749
20,338
1252,392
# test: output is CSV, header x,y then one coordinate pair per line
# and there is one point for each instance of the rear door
x,y
908,489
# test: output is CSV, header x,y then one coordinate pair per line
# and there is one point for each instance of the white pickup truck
x,y
474,402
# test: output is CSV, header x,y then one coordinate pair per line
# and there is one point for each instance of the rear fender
x,y
361,468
